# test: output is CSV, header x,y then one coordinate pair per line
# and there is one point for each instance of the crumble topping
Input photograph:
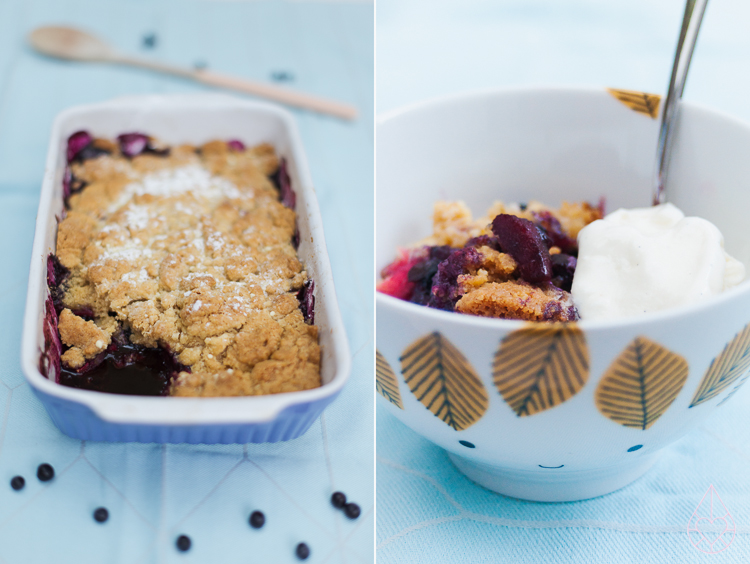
x,y
516,262
191,252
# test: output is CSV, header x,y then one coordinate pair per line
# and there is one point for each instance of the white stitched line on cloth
x,y
726,443
42,491
118,492
503,522
422,525
329,467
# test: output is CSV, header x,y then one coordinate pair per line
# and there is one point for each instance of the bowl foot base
x,y
553,484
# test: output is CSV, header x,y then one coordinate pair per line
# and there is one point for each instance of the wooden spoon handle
x,y
283,95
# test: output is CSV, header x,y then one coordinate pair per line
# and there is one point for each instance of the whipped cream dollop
x,y
648,259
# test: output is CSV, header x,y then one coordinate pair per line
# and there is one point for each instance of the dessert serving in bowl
x,y
179,252
581,406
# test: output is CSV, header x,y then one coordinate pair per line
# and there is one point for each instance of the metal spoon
x,y
75,45
691,23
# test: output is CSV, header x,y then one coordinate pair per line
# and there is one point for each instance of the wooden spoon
x,y
75,45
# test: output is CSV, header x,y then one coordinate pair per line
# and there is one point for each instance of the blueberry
x,y
45,472
445,292
338,500
423,272
352,510
555,233
183,543
149,41
302,551
91,152
563,269
282,76
101,514
257,519
17,483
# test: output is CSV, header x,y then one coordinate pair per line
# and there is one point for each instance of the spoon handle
x,y
268,91
691,23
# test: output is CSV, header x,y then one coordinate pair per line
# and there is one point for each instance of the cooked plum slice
x,y
521,239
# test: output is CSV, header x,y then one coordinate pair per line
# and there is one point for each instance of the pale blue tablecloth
x,y
427,511
155,493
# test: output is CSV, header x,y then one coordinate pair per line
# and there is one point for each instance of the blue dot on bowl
x,y
467,444
634,448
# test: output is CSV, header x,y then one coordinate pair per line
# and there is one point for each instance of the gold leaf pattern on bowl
x,y
641,384
731,363
541,366
641,102
441,377
386,383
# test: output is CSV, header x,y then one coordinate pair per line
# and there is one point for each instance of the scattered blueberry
x,y
338,500
467,444
183,543
45,472
282,76
257,519
634,448
149,40
200,65
101,514
17,483
523,241
302,551
352,510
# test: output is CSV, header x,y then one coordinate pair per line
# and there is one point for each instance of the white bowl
x,y
91,415
553,145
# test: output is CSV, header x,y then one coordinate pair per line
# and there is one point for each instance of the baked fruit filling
x,y
176,272
517,262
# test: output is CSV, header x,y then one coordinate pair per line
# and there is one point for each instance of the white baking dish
x,y
93,415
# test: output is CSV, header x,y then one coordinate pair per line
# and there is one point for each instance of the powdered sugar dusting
x,y
177,181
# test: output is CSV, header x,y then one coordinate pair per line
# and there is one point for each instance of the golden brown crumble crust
x,y
192,252
517,300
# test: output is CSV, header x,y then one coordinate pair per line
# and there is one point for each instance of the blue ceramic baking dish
x,y
97,416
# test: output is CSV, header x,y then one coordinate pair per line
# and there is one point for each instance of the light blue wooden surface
x,y
427,511
155,493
